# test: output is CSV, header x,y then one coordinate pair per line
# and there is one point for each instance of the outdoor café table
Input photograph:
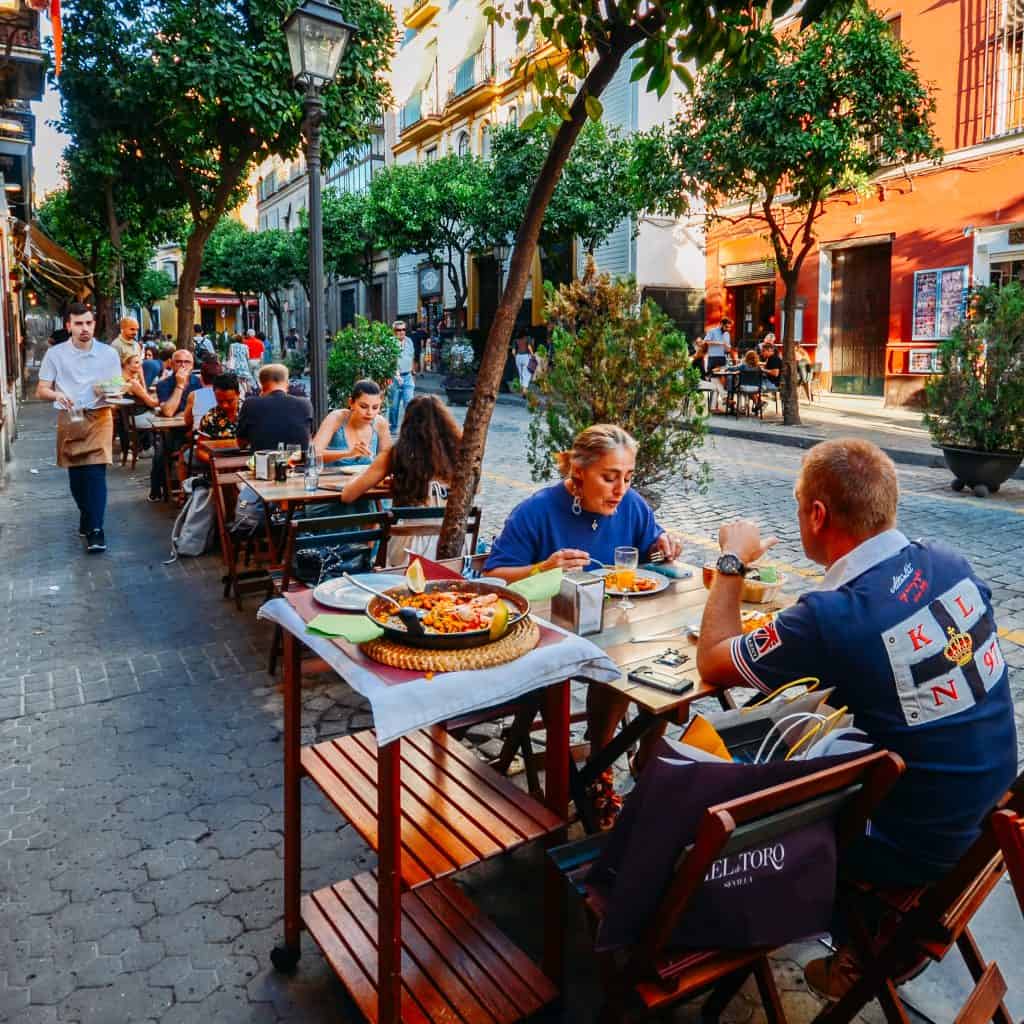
x,y
730,375
668,619
407,943
292,494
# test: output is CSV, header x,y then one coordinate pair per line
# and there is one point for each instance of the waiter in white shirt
x,y
719,342
85,426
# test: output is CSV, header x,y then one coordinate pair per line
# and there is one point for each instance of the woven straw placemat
x,y
519,640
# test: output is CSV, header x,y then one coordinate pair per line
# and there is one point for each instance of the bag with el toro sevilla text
x,y
769,894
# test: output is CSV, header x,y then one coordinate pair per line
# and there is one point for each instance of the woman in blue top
x,y
354,436
571,525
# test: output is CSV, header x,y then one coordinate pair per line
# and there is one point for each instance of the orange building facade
x,y
890,272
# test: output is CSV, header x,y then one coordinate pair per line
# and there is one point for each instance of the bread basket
x,y
755,591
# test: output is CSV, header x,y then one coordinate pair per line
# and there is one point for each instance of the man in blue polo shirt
x,y
173,392
906,634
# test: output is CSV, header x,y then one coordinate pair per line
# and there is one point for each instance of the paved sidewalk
x,y
140,762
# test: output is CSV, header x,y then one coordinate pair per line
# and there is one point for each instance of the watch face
x,y
730,565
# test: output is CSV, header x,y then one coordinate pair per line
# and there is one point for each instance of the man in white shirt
x,y
85,427
403,386
718,341
127,342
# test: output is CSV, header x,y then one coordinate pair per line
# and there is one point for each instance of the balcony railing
x,y
530,44
422,104
477,69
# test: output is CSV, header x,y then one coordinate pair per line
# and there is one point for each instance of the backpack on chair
x,y
193,530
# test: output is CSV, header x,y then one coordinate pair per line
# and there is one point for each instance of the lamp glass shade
x,y
317,38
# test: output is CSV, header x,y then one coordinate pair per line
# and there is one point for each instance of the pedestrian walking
x,y
526,361
68,376
403,386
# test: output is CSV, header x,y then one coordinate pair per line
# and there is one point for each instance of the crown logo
x,y
960,648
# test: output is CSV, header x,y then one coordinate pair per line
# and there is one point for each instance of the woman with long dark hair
x,y
421,465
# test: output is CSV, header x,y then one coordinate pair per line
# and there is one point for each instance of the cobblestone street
x,y
140,755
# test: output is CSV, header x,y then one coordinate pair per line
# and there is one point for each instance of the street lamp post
x,y
317,38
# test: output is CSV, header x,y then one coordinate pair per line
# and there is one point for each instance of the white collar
x,y
864,556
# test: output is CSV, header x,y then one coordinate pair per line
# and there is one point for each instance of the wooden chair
x,y
810,385
370,528
410,521
237,582
1009,829
649,977
923,925
748,388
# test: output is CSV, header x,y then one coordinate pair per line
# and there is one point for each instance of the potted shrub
x,y
460,361
975,403
366,350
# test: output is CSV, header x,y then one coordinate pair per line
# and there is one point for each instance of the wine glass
x,y
626,561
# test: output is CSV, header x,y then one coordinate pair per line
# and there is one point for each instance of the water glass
x,y
626,561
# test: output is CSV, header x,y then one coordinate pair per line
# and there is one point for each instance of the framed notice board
x,y
940,301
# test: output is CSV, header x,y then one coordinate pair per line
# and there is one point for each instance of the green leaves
x,y
594,108
366,351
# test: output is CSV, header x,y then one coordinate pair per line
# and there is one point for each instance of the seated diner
x,y
905,633
575,524
354,436
421,464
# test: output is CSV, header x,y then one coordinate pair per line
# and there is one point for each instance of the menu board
x,y
940,302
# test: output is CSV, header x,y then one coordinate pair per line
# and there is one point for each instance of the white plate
x,y
341,594
661,581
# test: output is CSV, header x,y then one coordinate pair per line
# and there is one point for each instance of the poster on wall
x,y
940,302
923,360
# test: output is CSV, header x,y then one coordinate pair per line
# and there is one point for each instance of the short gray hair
x,y
273,373
592,444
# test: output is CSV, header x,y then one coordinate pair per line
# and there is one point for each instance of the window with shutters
x,y
1003,68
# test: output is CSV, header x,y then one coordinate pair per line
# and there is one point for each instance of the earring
x,y
577,507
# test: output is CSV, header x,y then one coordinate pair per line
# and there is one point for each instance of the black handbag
x,y
314,566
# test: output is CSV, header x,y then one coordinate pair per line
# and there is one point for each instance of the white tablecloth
x,y
404,707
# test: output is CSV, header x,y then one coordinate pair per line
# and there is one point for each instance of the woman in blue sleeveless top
x,y
353,437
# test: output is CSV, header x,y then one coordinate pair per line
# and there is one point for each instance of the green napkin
x,y
541,587
357,629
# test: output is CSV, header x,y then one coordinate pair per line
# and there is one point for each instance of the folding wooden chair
x,y
237,582
420,520
369,528
922,925
1009,829
652,975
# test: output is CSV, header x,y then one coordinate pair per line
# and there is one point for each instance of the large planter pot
x,y
983,472
459,394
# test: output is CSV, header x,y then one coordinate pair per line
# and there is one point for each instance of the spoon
x,y
410,616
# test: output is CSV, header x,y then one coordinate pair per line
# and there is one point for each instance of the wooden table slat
x,y
456,810
457,967
433,799
355,798
430,1000
531,817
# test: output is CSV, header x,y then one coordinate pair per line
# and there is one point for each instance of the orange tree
x,y
818,112
661,38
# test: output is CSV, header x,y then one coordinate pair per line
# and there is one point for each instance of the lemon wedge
x,y
500,621
415,579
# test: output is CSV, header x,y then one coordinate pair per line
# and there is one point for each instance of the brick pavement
x,y
140,797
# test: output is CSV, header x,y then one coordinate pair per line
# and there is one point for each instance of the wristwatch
x,y
730,565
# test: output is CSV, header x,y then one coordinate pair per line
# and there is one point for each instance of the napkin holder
x,y
263,468
579,604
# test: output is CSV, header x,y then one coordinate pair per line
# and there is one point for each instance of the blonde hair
x,y
273,373
592,444
856,481
750,359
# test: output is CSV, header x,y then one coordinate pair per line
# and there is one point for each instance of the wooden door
x,y
860,318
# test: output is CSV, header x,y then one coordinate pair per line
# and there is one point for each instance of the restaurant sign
x,y
940,301
19,35
17,126
923,360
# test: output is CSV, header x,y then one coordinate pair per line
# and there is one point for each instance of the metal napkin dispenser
x,y
264,463
579,604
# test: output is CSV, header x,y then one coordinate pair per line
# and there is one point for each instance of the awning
x,y
464,29
413,65
210,301
758,272
53,265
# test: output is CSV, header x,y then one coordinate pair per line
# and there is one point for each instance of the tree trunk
x,y
481,407
788,378
189,280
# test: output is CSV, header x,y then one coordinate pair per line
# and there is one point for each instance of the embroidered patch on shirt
x,y
763,641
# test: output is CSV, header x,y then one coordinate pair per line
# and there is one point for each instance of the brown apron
x,y
89,442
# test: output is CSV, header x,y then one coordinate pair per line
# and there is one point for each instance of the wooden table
x,y
168,422
405,941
